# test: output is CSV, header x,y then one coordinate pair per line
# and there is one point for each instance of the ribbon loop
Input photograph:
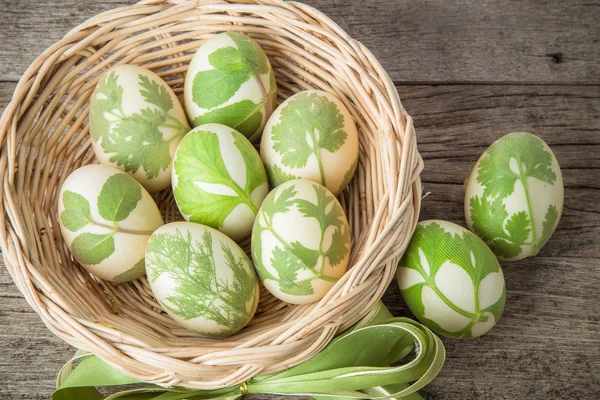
x,y
358,364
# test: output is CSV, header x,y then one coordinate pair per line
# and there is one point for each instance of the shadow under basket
x,y
44,137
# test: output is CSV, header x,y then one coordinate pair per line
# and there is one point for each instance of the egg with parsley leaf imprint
x,y
311,135
136,123
201,278
300,242
514,196
230,81
219,179
451,281
106,218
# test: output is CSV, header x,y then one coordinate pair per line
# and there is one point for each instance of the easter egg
x,y
106,218
312,136
230,81
514,196
219,179
201,278
300,242
136,123
451,281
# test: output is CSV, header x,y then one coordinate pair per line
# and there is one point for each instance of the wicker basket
x,y
44,136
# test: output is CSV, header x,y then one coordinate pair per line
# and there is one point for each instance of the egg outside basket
x,y
44,137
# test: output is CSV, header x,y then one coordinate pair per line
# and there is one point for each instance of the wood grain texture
x,y
541,41
547,344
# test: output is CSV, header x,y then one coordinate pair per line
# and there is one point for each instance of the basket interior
x,y
47,138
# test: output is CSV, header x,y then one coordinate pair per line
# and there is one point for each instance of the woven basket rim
x,y
44,136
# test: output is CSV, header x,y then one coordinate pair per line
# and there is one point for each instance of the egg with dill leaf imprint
x,y
451,281
201,278
219,179
300,242
106,218
311,135
136,123
230,81
514,196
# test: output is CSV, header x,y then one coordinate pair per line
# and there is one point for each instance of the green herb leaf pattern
x,y
77,211
233,66
451,281
199,160
91,248
135,140
509,162
288,258
199,292
348,176
244,116
138,270
118,197
308,124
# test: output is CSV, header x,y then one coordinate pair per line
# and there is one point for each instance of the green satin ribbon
x,y
365,362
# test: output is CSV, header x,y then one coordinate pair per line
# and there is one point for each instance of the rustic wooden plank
x,y
543,41
31,354
545,346
455,124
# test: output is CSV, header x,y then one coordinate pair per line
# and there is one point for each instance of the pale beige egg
x,y
106,218
136,123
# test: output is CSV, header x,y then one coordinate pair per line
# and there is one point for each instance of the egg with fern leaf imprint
x,y
201,278
300,241
514,196
311,135
136,123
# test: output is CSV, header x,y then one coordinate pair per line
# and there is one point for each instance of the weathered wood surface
x,y
416,41
547,345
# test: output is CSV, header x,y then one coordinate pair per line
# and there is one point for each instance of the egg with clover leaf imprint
x,y
312,136
230,81
202,278
451,280
136,123
106,218
514,196
300,242
219,179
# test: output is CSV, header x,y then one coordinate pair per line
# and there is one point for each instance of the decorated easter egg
x,y
230,81
312,136
300,242
106,218
219,179
201,278
514,196
136,123
451,281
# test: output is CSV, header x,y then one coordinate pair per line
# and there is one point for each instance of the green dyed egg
x,y
311,135
514,196
106,218
202,278
219,179
230,81
136,122
300,242
451,280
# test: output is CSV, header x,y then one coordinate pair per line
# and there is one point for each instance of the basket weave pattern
x,y
44,137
